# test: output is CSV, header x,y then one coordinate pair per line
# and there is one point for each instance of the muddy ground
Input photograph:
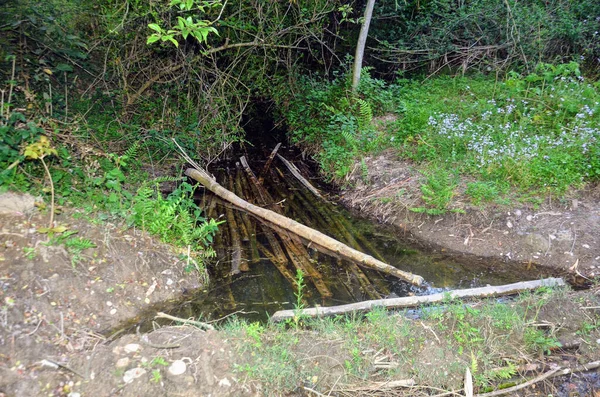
x,y
58,306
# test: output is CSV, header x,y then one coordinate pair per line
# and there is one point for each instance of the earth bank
x,y
58,305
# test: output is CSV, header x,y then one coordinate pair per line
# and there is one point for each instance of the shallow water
x,y
263,289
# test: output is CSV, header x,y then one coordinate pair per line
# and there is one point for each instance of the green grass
x,y
538,132
489,337
515,137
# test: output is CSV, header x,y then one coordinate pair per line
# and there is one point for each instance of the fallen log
x,y
412,301
301,230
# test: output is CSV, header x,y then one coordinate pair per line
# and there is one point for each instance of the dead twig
x,y
198,324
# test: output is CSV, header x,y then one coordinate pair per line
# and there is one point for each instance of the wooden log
x,y
261,194
280,264
412,301
236,244
268,164
248,225
299,176
301,230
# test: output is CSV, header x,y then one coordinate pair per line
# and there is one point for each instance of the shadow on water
x,y
257,264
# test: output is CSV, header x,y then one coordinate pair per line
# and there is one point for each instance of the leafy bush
x,y
15,134
440,34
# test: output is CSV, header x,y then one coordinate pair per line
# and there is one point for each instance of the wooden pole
x,y
301,230
299,176
412,301
268,164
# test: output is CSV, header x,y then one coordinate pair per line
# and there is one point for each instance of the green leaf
x,y
153,39
63,67
155,27
189,4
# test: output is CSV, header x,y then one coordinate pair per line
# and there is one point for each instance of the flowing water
x,y
269,258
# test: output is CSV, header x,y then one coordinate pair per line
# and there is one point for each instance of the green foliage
x,y
445,34
482,191
188,26
537,132
176,219
299,293
336,125
438,191
537,340
15,133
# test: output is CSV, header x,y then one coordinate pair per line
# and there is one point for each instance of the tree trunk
x,y
303,231
360,46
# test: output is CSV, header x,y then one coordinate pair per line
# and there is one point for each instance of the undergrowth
x,y
520,136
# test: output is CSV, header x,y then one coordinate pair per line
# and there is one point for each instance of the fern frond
x,y
167,178
365,114
133,150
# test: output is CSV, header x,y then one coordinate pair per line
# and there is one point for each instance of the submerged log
x,y
412,301
301,230
299,176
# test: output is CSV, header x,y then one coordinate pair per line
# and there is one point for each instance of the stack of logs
x,y
286,250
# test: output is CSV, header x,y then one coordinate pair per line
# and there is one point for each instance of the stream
x,y
256,267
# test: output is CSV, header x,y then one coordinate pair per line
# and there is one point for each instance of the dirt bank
x,y
59,301
562,234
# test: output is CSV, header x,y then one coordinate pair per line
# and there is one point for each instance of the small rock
x,y
131,348
177,368
509,224
537,242
122,362
169,281
529,218
74,394
518,213
11,203
226,383
132,374
585,246
108,303
113,311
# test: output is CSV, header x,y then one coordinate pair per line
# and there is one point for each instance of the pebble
x,y
131,348
226,383
133,374
122,362
518,213
177,368
113,311
529,218
509,224
585,246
